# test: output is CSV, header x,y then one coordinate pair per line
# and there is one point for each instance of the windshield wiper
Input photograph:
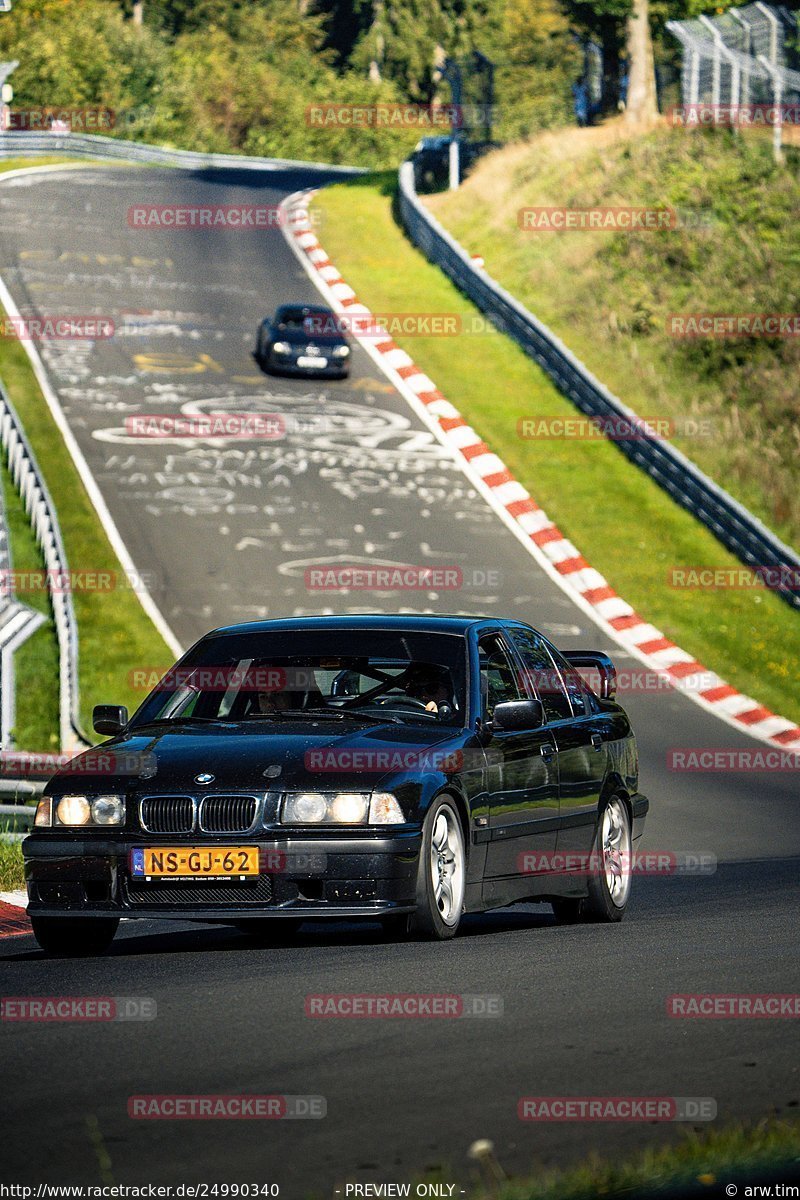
x,y
180,721
337,714
378,717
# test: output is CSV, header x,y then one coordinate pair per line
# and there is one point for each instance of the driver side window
x,y
499,680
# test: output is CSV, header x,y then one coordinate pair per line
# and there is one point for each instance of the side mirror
x,y
518,714
601,663
109,718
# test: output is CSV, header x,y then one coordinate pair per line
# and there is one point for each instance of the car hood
x,y
262,757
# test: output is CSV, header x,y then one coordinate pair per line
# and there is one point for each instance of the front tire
x,y
441,874
70,937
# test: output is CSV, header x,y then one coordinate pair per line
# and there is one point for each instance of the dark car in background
x,y
303,339
401,768
431,160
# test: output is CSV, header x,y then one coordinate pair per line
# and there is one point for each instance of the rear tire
x,y
610,883
441,874
610,878
74,937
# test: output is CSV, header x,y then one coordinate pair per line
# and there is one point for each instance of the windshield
x,y
374,674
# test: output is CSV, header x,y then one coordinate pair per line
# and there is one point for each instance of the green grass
x,y
12,875
15,164
713,1157
115,633
626,526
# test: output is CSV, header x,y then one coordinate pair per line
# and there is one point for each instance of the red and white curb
x,y
562,561
13,918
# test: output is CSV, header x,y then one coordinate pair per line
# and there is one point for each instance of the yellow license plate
x,y
197,861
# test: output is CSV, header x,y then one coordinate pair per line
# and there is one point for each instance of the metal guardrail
x,y
17,622
738,530
16,820
25,144
41,511
12,815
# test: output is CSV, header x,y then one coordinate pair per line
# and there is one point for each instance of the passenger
x,y
298,690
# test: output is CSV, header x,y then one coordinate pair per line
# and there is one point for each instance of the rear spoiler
x,y
599,662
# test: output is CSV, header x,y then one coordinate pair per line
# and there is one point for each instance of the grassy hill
x,y
610,295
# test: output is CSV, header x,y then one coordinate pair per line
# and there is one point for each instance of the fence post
x,y
723,51
774,27
748,50
694,79
777,103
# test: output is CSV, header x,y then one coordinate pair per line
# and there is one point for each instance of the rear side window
x,y
499,677
581,697
543,677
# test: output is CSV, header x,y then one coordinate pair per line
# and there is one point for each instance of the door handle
x,y
597,741
547,751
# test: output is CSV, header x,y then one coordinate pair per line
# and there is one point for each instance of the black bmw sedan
x,y
303,339
402,768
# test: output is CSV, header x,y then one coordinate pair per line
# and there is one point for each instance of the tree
x,y
642,104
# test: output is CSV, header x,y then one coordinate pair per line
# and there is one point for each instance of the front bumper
x,y
332,370
321,876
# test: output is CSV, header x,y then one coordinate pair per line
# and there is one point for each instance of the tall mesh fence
x,y
740,68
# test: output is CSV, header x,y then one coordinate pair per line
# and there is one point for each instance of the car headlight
x,y
304,808
349,808
44,813
86,810
281,347
341,351
340,808
108,810
73,810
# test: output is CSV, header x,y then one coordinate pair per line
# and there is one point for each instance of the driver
x,y
429,684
